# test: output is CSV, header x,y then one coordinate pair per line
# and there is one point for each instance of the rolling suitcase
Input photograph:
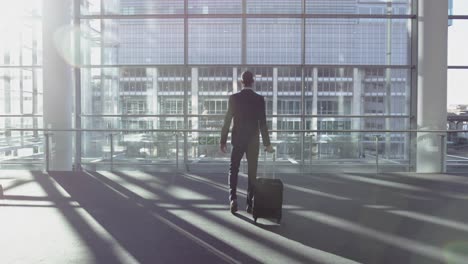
x,y
268,196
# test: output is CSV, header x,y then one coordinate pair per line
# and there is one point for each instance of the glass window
x,y
214,41
214,6
362,7
21,81
456,87
274,7
459,7
274,41
457,43
357,41
131,7
134,41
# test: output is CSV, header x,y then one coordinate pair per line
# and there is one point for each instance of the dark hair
x,y
247,78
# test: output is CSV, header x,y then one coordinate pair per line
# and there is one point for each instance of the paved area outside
x,y
135,216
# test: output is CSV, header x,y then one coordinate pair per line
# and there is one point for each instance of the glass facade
x,y
328,65
457,77
21,82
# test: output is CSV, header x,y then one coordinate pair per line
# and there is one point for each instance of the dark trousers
x,y
251,150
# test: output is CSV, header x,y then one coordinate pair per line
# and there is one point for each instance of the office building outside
x,y
321,65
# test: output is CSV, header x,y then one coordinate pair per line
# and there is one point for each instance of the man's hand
x,y
223,148
269,149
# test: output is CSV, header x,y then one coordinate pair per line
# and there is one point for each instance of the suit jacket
x,y
248,110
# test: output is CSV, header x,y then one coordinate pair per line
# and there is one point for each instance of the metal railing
x,y
380,136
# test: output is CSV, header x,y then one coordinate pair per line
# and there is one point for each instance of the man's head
x,y
247,79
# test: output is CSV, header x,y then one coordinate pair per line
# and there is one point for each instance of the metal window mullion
x,y
77,75
303,50
21,88
186,72
388,86
458,17
101,22
413,106
35,93
244,34
457,67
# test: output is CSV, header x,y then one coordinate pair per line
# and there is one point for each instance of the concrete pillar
x,y
235,83
152,100
112,88
357,104
340,93
432,83
274,125
153,106
195,108
315,108
314,98
58,92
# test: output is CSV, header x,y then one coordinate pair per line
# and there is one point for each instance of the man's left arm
x,y
226,125
263,125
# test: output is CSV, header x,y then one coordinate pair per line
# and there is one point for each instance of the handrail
x,y
219,131
374,66
177,133
222,115
21,115
249,15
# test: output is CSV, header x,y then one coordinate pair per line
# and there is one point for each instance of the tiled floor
x,y
143,217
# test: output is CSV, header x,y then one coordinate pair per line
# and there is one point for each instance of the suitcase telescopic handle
x,y
274,165
265,165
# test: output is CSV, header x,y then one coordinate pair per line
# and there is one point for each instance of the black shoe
x,y
233,206
249,209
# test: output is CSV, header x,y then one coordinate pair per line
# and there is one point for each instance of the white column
x,y
432,82
314,99
153,95
315,111
195,107
58,92
274,120
235,89
357,105
153,106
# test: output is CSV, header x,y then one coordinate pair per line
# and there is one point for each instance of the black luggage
x,y
268,197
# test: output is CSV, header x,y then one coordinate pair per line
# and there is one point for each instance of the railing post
x,y
409,151
443,150
47,152
377,154
177,150
311,147
111,138
274,164
77,163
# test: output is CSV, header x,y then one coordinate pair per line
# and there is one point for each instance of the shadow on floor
x,y
163,218
147,232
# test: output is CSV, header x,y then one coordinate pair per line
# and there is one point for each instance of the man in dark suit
x,y
248,110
